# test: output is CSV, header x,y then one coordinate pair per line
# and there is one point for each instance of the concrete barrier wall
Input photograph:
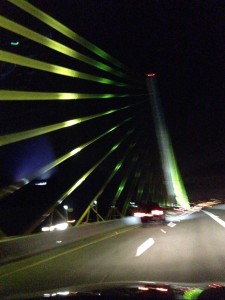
x,y
25,246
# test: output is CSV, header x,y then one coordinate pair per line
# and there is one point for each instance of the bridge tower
x,y
175,188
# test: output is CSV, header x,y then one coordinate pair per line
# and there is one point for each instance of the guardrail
x,y
25,246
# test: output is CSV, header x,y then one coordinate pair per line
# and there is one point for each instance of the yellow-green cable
x,y
17,185
130,193
77,184
83,177
12,95
102,189
50,21
41,39
47,67
23,135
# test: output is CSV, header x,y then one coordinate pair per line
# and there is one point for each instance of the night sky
x,y
181,41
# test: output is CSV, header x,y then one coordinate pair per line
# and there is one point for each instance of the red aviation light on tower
x,y
150,74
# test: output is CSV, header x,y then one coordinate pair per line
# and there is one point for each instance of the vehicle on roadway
x,y
151,213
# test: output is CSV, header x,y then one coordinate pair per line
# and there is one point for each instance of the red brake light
x,y
139,214
143,288
151,75
162,290
157,212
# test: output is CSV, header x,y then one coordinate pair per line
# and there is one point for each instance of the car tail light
x,y
139,214
157,212
162,289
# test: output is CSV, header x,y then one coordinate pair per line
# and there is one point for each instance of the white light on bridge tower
x,y
174,184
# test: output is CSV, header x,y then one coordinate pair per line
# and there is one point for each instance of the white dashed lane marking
x,y
171,224
145,246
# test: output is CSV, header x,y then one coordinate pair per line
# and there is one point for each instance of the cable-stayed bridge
x,y
78,137
84,139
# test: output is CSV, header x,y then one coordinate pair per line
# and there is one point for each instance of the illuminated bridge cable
x,y
45,18
150,186
72,188
113,207
27,134
47,67
146,183
8,190
140,189
139,186
100,192
143,180
41,39
130,194
137,176
12,95
77,184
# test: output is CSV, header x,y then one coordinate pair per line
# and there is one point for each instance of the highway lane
x,y
187,249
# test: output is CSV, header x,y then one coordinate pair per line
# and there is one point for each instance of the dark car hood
x,y
132,290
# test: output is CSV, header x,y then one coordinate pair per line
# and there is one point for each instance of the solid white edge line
x,y
215,218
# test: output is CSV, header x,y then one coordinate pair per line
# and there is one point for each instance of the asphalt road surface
x,y
190,248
